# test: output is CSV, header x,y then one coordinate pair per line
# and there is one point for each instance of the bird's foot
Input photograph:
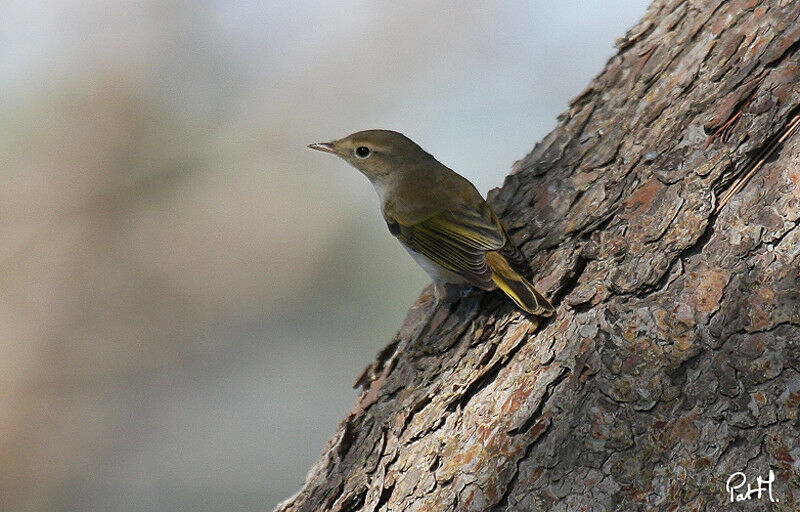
x,y
440,308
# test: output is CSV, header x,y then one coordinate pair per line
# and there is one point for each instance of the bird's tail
x,y
517,287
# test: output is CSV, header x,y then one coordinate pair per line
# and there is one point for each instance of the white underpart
x,y
436,271
380,189
433,269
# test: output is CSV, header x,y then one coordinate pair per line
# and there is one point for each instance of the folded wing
x,y
474,245
457,241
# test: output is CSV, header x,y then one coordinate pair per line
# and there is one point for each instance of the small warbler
x,y
439,217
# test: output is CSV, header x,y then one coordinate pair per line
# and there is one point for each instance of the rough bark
x,y
663,215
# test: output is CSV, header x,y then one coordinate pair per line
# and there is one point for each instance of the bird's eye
x,y
362,151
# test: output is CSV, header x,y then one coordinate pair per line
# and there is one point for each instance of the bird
x,y
440,218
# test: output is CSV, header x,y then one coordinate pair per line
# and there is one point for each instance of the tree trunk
x,y
662,215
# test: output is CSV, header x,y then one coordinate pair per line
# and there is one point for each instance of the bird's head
x,y
376,153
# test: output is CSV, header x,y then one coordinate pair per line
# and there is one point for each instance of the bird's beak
x,y
327,147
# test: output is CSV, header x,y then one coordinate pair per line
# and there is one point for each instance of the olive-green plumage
x,y
439,217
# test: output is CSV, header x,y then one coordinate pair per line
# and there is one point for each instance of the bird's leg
x,y
437,314
439,294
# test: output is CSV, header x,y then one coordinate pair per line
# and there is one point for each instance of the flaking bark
x,y
663,216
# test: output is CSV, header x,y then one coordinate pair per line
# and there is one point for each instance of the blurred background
x,y
186,292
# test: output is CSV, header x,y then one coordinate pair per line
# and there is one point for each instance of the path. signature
x,y
737,481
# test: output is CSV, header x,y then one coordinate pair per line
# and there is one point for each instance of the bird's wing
x,y
456,240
